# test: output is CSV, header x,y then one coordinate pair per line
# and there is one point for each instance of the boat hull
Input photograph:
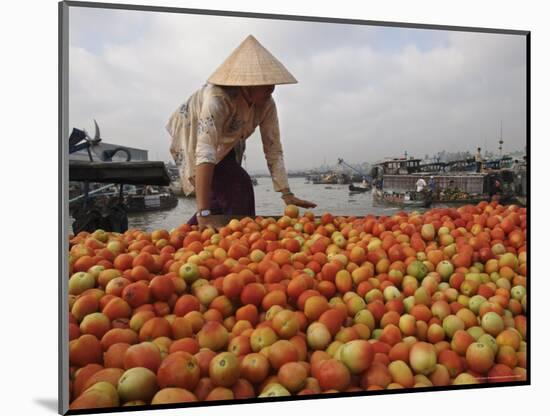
x,y
399,200
358,189
145,203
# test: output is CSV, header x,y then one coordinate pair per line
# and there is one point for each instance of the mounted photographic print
x,y
266,207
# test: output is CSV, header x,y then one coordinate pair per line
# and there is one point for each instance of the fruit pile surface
x,y
298,305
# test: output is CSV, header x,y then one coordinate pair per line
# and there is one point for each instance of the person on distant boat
x,y
364,184
453,191
431,184
452,187
495,187
478,159
420,184
209,130
377,183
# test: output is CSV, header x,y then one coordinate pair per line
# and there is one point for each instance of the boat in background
x,y
135,198
329,178
151,199
358,189
400,199
453,183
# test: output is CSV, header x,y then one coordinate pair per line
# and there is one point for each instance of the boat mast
x,y
500,142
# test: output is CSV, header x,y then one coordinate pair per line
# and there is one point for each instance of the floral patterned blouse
x,y
215,120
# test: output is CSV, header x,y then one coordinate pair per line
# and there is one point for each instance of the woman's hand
x,y
293,200
211,221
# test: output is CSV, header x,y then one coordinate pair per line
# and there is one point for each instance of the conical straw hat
x,y
251,64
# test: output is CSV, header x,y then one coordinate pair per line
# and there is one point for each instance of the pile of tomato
x,y
298,305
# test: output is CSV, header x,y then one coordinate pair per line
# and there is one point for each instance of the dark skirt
x,y
232,191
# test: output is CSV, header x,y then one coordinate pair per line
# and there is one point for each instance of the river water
x,y
335,199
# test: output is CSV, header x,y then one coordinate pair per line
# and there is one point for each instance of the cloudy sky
x,y
363,92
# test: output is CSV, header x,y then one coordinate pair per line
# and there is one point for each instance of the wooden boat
x,y
405,199
98,195
156,201
330,179
133,198
358,189
504,162
106,206
325,180
396,166
466,165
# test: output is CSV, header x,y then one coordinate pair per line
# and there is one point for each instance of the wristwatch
x,y
203,213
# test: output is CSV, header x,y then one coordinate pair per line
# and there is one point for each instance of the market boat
x,y
450,189
329,178
466,165
432,168
453,183
108,210
334,179
358,189
401,199
325,180
153,199
135,198
505,162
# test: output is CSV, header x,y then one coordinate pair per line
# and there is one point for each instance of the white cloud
x,y
359,95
